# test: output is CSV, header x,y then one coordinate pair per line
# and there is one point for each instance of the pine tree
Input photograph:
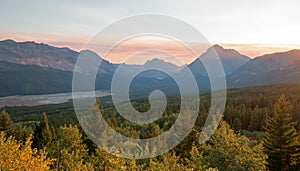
x,y
21,133
42,134
236,124
255,120
280,143
6,123
263,120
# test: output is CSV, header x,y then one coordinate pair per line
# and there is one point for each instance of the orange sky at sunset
x,y
254,50
126,49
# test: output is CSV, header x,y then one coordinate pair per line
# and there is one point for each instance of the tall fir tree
x,y
42,134
281,142
21,133
237,125
6,123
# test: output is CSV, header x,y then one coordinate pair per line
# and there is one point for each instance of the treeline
x,y
42,145
246,109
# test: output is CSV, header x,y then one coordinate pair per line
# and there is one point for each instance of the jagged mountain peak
x,y
216,46
158,61
230,58
155,60
223,52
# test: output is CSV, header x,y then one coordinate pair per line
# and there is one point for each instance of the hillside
x,y
283,67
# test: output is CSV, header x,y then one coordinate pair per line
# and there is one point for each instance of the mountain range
x,y
36,68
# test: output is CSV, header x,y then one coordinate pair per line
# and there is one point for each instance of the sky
x,y
253,27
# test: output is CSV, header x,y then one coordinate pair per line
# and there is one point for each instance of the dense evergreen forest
x,y
259,131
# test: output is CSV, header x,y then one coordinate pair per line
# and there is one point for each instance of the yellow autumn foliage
x,y
18,156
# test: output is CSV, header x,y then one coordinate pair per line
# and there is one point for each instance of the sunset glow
x,y
253,28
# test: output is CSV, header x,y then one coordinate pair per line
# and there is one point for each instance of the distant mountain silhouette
x,y
37,68
231,60
150,65
282,67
